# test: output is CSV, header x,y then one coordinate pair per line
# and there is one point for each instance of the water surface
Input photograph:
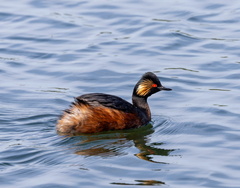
x,y
52,51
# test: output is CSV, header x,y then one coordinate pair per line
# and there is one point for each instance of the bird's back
x,y
106,100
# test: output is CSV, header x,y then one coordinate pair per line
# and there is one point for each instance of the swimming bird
x,y
96,112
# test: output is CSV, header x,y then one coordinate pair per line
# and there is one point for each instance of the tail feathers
x,y
77,103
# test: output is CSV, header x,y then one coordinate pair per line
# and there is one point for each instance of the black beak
x,y
164,88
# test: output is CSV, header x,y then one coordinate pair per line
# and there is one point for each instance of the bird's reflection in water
x,y
114,143
141,182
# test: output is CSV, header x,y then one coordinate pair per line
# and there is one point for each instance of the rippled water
x,y
52,51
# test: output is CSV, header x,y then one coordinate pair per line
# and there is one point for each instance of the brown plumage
x,y
96,112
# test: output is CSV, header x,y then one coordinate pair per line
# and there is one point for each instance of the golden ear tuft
x,y
145,87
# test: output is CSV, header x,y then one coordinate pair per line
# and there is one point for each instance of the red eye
x,y
154,85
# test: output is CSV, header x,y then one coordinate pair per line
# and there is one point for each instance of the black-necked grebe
x,y
96,112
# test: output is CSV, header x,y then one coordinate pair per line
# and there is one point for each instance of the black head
x,y
148,85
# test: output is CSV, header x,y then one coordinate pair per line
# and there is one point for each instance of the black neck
x,y
141,103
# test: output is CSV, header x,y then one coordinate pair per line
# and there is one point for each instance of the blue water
x,y
52,51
